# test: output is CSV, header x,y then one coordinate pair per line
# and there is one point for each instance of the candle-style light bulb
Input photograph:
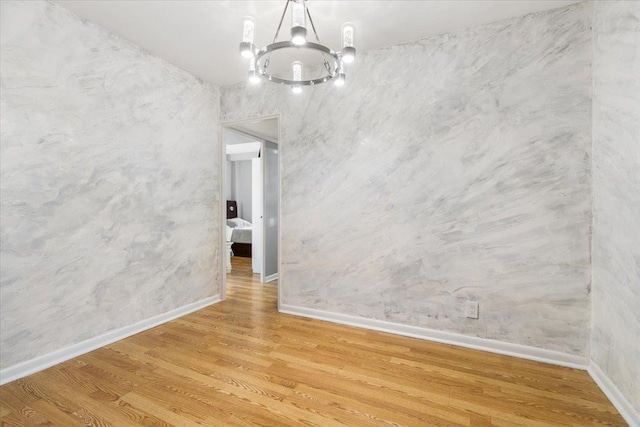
x,y
348,42
247,48
298,23
296,68
340,76
254,78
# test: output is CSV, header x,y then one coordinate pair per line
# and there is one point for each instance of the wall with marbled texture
x,y
109,183
615,343
455,167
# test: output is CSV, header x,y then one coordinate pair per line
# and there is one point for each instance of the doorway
x,y
251,197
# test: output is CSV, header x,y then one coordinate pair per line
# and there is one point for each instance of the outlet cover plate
x,y
472,309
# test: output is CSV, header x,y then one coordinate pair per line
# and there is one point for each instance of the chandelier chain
x,y
313,27
326,64
284,12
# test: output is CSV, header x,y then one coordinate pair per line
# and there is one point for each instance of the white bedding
x,y
238,230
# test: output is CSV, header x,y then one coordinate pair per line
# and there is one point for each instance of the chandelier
x,y
329,66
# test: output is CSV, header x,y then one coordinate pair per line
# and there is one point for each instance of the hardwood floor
x,y
241,363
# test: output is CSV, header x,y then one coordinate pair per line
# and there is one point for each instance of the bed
x,y
238,231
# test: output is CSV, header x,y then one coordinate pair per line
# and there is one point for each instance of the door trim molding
x,y
223,208
271,278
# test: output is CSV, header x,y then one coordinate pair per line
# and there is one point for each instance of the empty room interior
x,y
320,213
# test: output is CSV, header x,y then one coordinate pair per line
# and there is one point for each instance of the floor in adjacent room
x,y
241,363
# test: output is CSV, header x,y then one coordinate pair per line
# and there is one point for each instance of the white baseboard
x,y
484,344
39,363
618,400
271,278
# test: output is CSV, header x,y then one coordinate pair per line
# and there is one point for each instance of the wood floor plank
x,y
161,411
241,363
57,417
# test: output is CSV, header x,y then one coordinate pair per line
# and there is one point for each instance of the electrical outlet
x,y
471,309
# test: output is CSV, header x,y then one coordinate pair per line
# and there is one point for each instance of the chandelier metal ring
x,y
332,61
268,50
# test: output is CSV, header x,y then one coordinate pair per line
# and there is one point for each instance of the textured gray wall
x,y
451,168
243,189
615,344
109,183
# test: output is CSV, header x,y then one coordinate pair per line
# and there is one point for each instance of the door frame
x,y
223,202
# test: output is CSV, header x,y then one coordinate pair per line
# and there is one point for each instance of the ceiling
x,y
202,37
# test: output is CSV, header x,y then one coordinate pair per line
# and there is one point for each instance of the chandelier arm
x,y
284,12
